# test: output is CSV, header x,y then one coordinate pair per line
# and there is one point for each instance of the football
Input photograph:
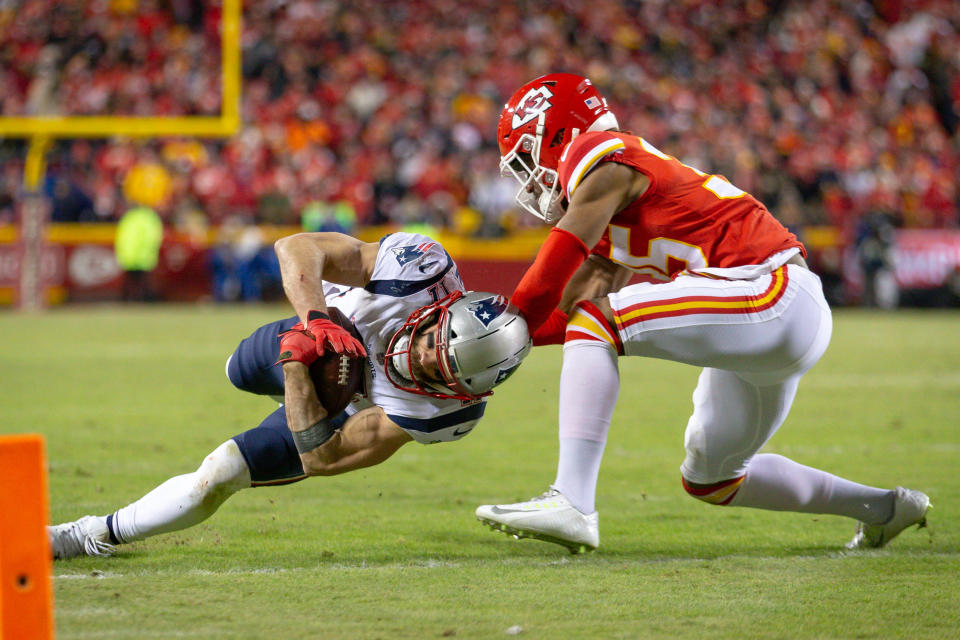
x,y
338,376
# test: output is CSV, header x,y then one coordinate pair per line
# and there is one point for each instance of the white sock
x,y
780,484
183,501
577,470
589,385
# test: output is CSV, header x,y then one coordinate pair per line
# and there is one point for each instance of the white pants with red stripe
x,y
754,338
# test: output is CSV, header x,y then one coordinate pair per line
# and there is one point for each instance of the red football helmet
x,y
536,125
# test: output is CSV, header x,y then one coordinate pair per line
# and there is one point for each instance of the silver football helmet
x,y
480,342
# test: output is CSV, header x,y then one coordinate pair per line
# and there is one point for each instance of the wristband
x,y
541,287
314,314
312,437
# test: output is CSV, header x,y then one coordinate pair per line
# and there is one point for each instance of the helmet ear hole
x,y
557,138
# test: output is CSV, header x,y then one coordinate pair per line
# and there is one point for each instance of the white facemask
x,y
401,361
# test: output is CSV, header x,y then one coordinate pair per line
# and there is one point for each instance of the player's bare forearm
x,y
301,270
596,277
304,414
306,259
300,400
602,194
367,439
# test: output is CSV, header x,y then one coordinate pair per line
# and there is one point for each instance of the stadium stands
x,y
825,110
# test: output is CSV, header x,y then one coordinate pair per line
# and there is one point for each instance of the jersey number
x,y
438,291
716,185
664,257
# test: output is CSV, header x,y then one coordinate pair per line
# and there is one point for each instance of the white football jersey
x,y
412,271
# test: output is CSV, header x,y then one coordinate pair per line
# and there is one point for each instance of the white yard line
x,y
444,564
106,632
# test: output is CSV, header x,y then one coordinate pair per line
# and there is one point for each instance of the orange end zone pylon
x,y
26,598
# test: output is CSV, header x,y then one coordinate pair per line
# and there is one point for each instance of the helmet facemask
x,y
539,186
398,361
536,125
479,342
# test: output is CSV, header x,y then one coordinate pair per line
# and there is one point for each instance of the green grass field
x,y
128,397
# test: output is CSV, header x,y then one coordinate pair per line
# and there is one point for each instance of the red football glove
x,y
297,346
552,331
327,331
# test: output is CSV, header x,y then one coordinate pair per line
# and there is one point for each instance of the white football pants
x,y
754,338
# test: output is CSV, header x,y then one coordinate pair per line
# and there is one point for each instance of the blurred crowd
x,y
372,111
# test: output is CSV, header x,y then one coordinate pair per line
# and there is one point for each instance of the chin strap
x,y
541,287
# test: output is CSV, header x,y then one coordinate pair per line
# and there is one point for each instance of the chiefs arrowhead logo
x,y
535,102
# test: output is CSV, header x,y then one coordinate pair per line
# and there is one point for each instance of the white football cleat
x,y
909,508
549,517
86,536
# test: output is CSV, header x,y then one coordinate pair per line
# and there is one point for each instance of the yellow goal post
x,y
42,130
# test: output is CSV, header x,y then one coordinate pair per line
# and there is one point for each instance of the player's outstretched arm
x,y
604,192
368,438
596,277
306,416
307,259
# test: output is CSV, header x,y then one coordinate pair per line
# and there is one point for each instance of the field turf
x,y
128,397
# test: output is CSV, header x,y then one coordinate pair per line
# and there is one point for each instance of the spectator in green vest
x,y
137,247
319,215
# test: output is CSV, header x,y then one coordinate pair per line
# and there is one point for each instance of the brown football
x,y
338,376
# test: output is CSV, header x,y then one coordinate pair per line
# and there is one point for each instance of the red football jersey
x,y
686,219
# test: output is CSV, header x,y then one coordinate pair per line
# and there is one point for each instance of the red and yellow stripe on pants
x,y
587,323
704,304
720,493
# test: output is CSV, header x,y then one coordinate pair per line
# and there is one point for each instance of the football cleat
x,y
909,508
86,536
549,517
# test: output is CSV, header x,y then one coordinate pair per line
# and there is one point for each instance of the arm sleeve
x,y
541,287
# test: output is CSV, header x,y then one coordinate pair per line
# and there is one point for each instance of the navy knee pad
x,y
270,452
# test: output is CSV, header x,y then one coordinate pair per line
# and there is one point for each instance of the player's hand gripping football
x,y
296,345
328,332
